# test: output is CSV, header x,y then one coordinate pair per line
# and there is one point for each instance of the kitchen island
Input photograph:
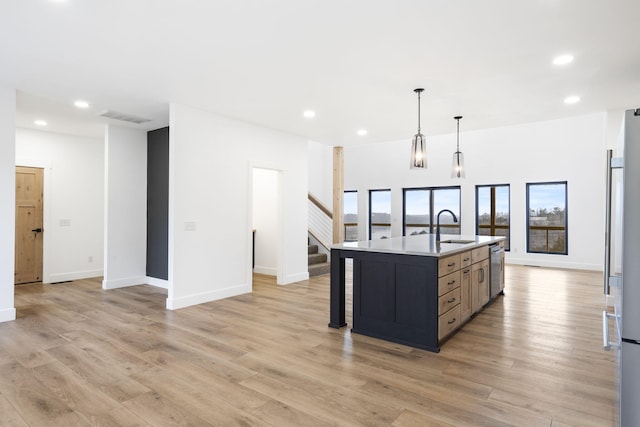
x,y
412,290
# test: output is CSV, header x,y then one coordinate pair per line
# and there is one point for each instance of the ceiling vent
x,y
116,115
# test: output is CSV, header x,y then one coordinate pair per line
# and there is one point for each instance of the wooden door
x,y
28,257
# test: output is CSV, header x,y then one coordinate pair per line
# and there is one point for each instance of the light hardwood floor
x,y
78,355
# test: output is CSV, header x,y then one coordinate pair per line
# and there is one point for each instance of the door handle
x,y
37,230
606,341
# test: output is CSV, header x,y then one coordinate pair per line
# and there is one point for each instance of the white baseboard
x,y
554,264
292,278
158,283
269,271
7,314
186,301
74,275
123,283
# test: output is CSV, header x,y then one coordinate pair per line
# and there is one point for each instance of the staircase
x,y
321,228
317,262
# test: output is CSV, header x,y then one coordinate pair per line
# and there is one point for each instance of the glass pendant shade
x,y
457,166
418,152
418,143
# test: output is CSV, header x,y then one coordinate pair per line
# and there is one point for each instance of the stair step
x,y
313,249
317,258
319,269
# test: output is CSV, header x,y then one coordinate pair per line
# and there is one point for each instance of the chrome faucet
x,y
455,219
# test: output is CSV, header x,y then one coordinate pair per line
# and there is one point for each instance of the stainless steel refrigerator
x,y
622,264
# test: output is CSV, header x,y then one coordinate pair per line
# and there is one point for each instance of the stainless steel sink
x,y
459,242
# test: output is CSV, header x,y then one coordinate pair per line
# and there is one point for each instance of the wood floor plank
x,y
10,417
411,419
333,412
178,368
159,410
279,414
108,378
80,355
33,400
202,403
559,407
96,407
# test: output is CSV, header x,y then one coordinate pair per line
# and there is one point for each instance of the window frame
x,y
493,225
344,224
566,218
369,213
432,214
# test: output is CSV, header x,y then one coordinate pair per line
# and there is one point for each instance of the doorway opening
x,y
266,222
29,225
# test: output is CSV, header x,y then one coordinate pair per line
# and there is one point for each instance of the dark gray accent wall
x,y
158,203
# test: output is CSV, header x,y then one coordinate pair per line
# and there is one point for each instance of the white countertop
x,y
421,244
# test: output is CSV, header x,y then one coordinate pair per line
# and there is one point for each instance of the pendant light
x,y
457,166
418,144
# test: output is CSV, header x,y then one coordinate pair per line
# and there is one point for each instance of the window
x,y
379,214
547,217
350,216
446,198
421,206
417,211
492,211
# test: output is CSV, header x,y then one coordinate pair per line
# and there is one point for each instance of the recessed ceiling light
x,y
563,60
309,114
39,123
81,104
362,132
571,99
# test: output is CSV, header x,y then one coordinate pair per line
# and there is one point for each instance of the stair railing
x,y
320,221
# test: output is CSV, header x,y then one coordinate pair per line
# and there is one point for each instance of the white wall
x,y
321,172
73,201
125,207
614,127
210,169
265,220
558,150
7,202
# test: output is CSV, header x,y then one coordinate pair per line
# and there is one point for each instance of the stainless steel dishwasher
x,y
497,270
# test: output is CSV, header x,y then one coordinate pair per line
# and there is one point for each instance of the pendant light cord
x,y
458,137
418,111
458,133
418,91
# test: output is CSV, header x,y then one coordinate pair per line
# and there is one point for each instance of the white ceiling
x,y
355,62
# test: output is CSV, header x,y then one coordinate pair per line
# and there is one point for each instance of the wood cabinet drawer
x,y
448,283
465,259
449,300
448,264
448,322
478,254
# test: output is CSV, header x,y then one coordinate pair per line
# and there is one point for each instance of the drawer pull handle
x,y
452,321
451,265
451,300
466,259
466,271
451,283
